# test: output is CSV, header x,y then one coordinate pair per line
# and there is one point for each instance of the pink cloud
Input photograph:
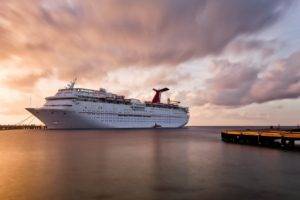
x,y
93,37
237,84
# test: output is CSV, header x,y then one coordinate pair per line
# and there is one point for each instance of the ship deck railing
x,y
116,101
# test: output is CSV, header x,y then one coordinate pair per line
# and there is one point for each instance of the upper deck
x,y
102,95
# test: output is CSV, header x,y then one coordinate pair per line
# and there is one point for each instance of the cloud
x,y
25,81
281,80
237,84
138,83
89,38
264,48
166,78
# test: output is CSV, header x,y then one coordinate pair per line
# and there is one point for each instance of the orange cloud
x,y
25,81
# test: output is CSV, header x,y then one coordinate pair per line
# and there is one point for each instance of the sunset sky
x,y
233,62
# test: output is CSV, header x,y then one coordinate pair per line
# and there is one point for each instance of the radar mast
x,y
72,84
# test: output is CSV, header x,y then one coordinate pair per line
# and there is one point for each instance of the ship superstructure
x,y
79,108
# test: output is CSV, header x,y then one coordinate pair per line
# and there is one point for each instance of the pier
x,y
30,126
270,138
26,123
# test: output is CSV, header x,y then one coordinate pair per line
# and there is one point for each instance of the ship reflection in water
x,y
190,163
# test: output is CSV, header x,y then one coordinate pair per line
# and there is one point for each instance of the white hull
x,y
67,119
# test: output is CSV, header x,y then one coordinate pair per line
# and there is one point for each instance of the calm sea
x,y
190,163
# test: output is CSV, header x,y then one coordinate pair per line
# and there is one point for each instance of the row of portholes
x,y
126,119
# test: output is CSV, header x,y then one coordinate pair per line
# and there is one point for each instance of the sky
x,y
232,62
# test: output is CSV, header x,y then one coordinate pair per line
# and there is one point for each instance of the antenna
x,y
72,84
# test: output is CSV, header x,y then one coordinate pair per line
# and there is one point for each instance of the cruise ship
x,y
79,108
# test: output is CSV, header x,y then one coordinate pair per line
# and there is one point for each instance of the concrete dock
x,y
272,138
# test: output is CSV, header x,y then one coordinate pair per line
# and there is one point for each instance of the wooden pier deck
x,y
273,138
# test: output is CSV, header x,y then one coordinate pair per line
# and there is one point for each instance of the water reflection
x,y
141,164
171,167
